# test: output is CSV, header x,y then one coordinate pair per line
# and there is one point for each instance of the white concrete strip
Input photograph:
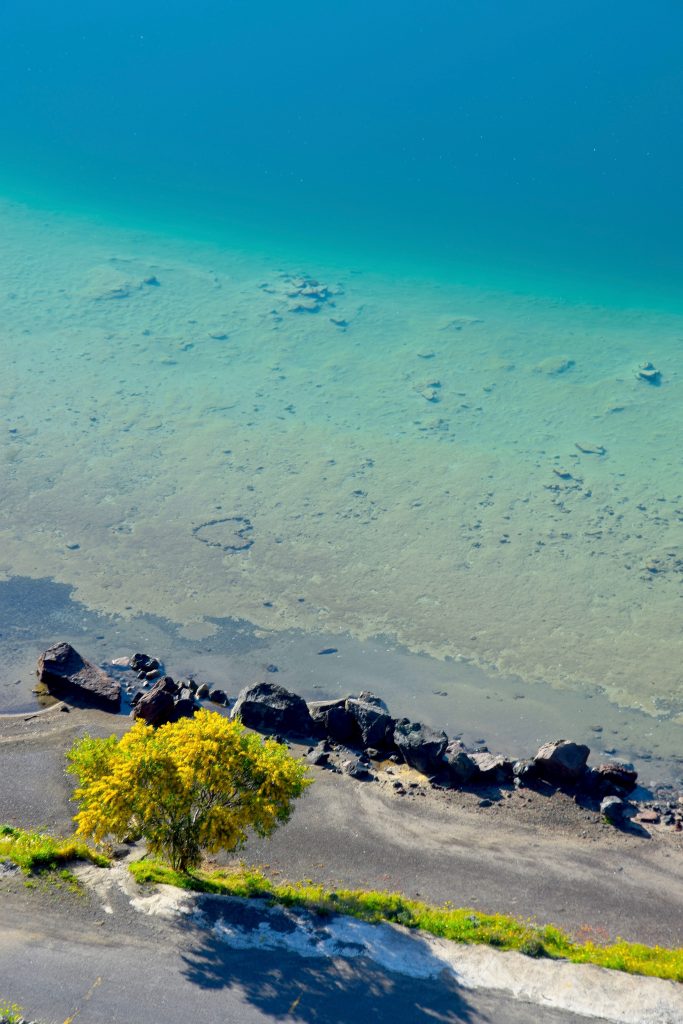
x,y
583,989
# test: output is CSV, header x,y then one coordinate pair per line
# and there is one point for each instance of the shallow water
x,y
356,359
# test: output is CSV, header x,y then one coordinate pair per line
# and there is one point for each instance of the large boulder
x,y
459,766
562,761
332,720
156,707
66,674
421,746
375,724
268,707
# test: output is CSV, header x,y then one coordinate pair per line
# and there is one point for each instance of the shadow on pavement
x,y
306,974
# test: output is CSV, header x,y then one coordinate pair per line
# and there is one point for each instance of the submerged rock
x,y
65,673
650,374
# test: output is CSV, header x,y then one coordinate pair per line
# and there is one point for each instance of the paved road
x,y
126,968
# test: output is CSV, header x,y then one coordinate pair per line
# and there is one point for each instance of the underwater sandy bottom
x,y
198,434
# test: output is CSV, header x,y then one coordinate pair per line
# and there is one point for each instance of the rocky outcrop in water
x,y
68,675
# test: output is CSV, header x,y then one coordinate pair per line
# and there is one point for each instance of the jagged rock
x,y
371,698
562,761
491,768
155,707
459,765
65,673
184,707
330,718
375,724
356,769
524,771
143,663
269,707
422,747
617,774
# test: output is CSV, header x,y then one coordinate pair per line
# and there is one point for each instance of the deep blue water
x,y
533,140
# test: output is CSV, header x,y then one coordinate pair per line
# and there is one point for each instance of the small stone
x,y
612,807
218,697
203,691
647,818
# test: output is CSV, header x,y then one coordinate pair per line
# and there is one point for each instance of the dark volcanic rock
x,y
330,718
218,697
524,770
375,724
156,707
422,747
269,707
143,663
613,808
617,774
357,770
319,755
65,673
459,765
562,761
371,698
184,707
492,768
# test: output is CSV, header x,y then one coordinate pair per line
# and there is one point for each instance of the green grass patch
x,y
36,851
448,922
10,1013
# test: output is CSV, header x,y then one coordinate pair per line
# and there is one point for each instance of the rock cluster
x,y
355,734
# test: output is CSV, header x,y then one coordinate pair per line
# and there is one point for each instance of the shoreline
x,y
508,715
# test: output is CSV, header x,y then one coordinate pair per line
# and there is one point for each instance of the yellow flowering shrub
x,y
189,786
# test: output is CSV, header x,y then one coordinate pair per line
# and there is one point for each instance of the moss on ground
x,y
35,852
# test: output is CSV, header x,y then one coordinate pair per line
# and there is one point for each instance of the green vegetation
x,y
10,1013
448,922
198,784
37,851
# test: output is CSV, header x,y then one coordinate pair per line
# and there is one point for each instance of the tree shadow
x,y
320,970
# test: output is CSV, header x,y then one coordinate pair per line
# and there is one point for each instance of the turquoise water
x,y
526,143
332,321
